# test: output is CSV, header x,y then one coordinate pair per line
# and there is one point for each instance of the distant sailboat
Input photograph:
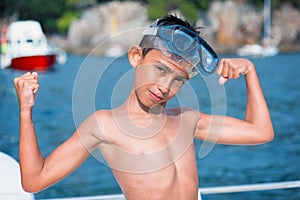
x,y
267,48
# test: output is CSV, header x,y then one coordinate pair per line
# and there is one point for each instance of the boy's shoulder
x,y
103,115
187,115
103,112
181,111
108,114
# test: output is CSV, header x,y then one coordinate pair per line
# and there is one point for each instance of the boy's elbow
x,y
271,136
31,186
267,136
268,139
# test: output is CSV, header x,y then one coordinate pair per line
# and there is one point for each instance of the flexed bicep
x,y
210,127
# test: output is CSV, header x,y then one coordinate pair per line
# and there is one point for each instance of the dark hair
x,y
169,19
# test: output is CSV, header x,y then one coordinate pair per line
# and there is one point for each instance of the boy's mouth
x,y
155,96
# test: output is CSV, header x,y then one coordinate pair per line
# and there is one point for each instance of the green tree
x,y
44,11
55,16
7,7
158,8
64,21
202,4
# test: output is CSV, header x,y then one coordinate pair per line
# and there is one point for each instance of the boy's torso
x,y
152,159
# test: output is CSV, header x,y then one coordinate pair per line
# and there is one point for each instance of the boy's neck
x,y
135,106
136,119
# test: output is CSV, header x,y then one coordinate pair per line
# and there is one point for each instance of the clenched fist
x,y
26,87
232,68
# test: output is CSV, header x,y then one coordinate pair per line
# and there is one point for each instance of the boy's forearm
x,y
257,112
31,159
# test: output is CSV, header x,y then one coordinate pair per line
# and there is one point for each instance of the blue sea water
x,y
224,165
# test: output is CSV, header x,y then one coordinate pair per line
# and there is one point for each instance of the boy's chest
x,y
155,136
141,149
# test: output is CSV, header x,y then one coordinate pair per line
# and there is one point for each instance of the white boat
x,y
27,47
257,50
267,48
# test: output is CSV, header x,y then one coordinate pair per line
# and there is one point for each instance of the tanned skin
x,y
149,148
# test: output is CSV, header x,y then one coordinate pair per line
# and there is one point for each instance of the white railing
x,y
250,187
208,190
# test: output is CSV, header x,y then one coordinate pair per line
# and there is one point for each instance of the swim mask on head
x,y
191,51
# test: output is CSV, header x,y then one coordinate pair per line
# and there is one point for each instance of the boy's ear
x,y
135,55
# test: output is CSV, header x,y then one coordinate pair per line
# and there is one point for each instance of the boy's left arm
x,y
256,127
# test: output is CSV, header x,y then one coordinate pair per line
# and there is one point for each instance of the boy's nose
x,y
164,89
165,86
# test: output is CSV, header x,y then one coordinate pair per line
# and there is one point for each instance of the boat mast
x,y
267,22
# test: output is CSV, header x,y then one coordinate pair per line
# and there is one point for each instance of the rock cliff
x,y
227,25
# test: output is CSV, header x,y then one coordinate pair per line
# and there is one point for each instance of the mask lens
x,y
187,47
182,41
207,60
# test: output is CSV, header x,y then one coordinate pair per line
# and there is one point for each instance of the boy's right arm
x,y
38,172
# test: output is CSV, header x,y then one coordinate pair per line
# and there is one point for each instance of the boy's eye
x,y
180,81
161,70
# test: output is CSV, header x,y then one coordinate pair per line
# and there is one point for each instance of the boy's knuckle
x,y
19,82
15,81
26,84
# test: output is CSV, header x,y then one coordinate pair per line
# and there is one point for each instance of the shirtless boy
x,y
149,148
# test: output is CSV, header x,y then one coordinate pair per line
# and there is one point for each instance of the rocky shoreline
x,y
228,26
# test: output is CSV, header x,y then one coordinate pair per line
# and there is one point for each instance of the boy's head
x,y
180,40
170,53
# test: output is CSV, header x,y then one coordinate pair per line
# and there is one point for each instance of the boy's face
x,y
158,78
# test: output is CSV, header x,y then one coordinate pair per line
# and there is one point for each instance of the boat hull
x,y
34,62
